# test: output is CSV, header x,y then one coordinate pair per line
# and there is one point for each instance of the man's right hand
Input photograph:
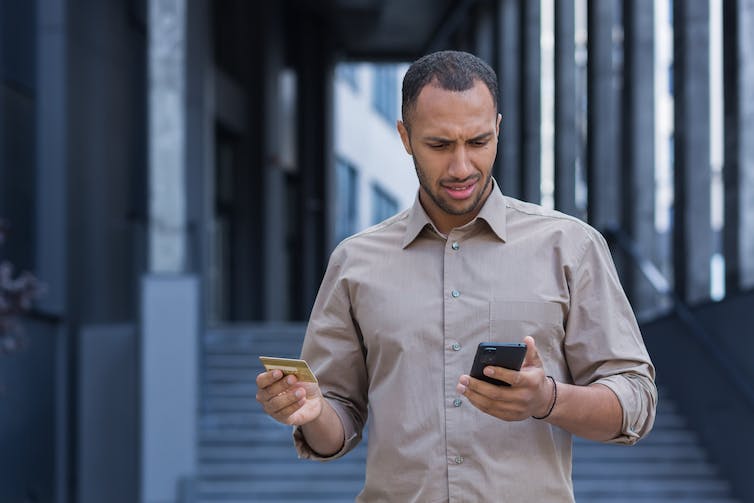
x,y
287,400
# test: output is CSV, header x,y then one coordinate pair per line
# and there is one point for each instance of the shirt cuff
x,y
352,437
637,395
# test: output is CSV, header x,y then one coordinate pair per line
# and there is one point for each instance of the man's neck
x,y
445,222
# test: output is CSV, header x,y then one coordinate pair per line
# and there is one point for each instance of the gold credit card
x,y
288,366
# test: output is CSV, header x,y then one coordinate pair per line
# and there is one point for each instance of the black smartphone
x,y
509,355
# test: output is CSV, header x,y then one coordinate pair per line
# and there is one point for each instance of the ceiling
x,y
390,29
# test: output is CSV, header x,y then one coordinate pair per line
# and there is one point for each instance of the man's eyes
x,y
475,143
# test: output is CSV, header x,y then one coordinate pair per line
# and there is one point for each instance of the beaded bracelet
x,y
554,399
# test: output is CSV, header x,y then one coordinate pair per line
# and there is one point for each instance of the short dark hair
x,y
451,70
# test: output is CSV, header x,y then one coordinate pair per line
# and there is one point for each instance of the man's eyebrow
x,y
440,139
483,136
437,139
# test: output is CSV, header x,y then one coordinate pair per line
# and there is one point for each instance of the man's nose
x,y
460,164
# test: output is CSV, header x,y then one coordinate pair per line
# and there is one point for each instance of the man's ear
x,y
497,125
403,132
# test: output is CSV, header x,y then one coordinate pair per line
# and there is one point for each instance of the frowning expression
x,y
452,137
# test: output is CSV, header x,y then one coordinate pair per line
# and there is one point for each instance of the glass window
x,y
346,200
347,73
385,92
384,205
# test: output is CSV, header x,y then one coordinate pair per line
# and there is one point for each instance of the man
x,y
404,304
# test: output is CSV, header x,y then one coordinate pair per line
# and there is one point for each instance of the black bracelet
x,y
554,399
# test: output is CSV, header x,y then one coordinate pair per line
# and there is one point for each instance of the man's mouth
x,y
460,191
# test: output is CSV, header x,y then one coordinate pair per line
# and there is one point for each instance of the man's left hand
x,y
529,394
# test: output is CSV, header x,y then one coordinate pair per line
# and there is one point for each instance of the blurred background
x,y
176,173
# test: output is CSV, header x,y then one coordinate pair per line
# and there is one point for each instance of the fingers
x,y
284,407
519,378
532,355
279,397
272,383
506,403
266,378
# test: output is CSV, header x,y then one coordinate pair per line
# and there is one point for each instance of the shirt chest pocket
x,y
511,321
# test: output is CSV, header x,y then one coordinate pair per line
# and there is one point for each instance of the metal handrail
x,y
662,286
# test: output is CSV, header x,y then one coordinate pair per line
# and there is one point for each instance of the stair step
x,y
242,390
252,419
267,469
650,498
230,498
220,375
240,453
287,486
237,361
586,469
247,435
668,486
222,404
239,338
646,452
667,420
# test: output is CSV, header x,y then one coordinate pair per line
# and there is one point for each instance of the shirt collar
x,y
492,212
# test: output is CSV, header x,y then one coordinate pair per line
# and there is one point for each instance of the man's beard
x,y
441,203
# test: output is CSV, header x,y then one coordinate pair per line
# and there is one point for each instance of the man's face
x,y
452,137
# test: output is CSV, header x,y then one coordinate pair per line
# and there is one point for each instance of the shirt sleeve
x,y
603,343
334,349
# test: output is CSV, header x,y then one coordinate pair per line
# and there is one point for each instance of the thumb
x,y
532,355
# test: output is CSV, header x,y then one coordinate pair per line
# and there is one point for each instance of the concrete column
x,y
314,150
483,31
731,170
106,451
603,163
51,206
638,144
276,258
693,236
746,145
51,154
170,310
508,169
168,379
565,108
167,143
531,103
200,144
738,244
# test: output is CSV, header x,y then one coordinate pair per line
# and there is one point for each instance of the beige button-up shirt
x,y
398,318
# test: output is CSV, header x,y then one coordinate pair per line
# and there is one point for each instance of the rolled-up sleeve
x,y
603,343
334,349
638,398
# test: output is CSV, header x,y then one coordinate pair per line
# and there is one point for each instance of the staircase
x,y
669,465
245,456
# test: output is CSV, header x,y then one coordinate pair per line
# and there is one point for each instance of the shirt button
x,y
455,245
456,346
455,294
458,460
457,402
